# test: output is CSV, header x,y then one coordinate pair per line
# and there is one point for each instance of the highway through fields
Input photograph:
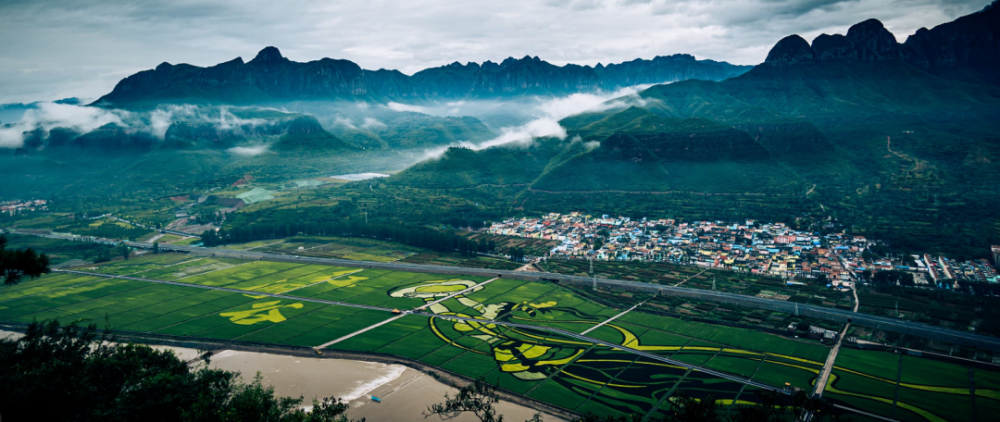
x,y
830,314
581,337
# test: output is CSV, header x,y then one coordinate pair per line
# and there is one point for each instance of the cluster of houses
x,y
18,206
760,248
942,271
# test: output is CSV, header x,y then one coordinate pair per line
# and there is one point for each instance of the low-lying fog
x,y
508,121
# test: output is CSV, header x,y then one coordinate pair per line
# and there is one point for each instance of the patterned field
x,y
576,375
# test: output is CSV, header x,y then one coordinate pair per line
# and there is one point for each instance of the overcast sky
x,y
54,49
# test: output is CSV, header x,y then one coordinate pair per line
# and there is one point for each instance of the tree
x,y
479,398
688,409
156,248
94,377
124,250
19,263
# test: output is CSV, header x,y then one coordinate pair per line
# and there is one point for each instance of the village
x,y
18,206
750,246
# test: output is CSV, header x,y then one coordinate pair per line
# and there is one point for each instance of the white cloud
x,y
394,106
345,122
83,119
248,151
373,124
549,112
48,116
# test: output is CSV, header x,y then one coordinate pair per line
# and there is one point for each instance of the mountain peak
x,y
791,50
268,54
873,41
867,41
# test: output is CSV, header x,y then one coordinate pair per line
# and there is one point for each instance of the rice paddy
x,y
568,372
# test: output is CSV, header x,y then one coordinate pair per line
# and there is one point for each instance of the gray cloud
x,y
64,48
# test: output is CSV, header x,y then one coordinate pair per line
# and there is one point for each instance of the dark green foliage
x,y
478,398
517,254
622,150
19,263
419,237
60,251
889,277
110,230
769,406
305,133
73,373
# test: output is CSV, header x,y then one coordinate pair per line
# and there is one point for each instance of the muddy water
x,y
405,392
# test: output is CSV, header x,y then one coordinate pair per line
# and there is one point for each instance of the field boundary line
x,y
261,246
667,396
88,300
424,306
468,350
863,413
744,387
240,291
99,279
899,379
972,395
559,370
614,378
273,325
689,278
467,289
321,282
218,269
200,316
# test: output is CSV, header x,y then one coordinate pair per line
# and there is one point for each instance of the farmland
x,y
319,304
364,249
701,278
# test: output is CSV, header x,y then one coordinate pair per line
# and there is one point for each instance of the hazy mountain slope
x,y
627,150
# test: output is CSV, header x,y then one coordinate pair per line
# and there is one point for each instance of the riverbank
x,y
405,392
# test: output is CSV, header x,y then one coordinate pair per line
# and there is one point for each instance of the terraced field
x,y
319,304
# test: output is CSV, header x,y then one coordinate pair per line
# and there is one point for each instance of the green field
x,y
567,372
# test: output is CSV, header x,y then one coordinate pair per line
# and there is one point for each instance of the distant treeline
x,y
419,237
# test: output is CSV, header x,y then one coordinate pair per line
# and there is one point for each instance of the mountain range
x,y
270,77
899,140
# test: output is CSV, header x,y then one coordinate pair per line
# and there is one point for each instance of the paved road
x,y
179,233
830,314
614,317
832,357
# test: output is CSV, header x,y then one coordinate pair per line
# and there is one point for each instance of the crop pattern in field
x,y
568,372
